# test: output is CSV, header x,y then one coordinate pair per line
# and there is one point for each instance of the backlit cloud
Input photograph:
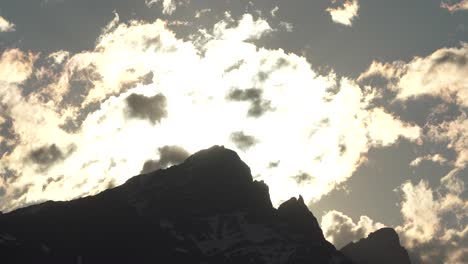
x,y
344,11
456,5
268,94
5,25
340,229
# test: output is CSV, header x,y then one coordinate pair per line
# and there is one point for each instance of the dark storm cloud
x,y
168,155
151,108
302,178
243,141
258,106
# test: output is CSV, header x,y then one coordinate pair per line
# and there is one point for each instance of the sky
x,y
360,106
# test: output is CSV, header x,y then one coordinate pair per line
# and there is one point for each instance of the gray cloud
x,y
168,155
258,105
2,191
151,108
302,178
51,180
46,156
243,141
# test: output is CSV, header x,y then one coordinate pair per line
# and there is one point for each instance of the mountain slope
x,y
206,210
382,246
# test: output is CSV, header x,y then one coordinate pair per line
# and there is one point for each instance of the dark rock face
x,y
206,210
382,246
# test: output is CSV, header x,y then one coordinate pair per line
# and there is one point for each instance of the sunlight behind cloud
x,y
315,128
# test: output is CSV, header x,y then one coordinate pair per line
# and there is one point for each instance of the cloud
x,y
244,29
87,101
169,6
344,13
444,74
437,158
168,155
258,106
419,210
6,26
455,133
16,66
459,5
427,231
303,178
340,229
151,108
242,140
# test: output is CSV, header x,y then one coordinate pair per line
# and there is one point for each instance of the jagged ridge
x,y
205,210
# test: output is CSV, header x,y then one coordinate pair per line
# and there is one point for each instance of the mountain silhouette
x,y
382,246
206,210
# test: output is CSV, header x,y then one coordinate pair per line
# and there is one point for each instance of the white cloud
x,y
274,11
345,13
169,6
455,133
16,66
427,231
437,158
443,73
247,28
5,25
340,229
324,135
420,213
458,6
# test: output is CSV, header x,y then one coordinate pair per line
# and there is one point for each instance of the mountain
x,y
206,210
382,246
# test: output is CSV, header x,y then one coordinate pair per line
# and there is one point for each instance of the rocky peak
x,y
382,246
302,220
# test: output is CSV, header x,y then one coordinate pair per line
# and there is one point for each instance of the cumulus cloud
x,y
5,25
457,6
151,108
437,158
93,89
168,155
426,231
442,74
344,11
340,229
